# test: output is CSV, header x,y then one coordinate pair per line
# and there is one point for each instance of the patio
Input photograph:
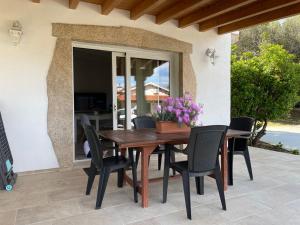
x,y
57,198
44,45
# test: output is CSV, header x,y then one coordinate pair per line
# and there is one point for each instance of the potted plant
x,y
177,114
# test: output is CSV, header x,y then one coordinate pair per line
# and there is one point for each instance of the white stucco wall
x,y
23,71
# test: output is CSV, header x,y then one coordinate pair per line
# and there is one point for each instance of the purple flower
x,y
177,112
180,109
179,119
194,106
169,108
158,108
186,119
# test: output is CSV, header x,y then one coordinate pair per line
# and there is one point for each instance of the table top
x,y
148,137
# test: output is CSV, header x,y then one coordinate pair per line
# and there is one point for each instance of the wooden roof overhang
x,y
224,15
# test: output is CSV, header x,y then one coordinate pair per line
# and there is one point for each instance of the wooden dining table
x,y
146,140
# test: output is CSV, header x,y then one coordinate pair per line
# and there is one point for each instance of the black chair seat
x,y
115,163
183,166
180,166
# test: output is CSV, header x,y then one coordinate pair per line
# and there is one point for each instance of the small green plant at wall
x,y
279,145
295,152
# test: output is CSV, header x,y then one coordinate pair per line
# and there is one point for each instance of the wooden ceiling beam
x,y
250,10
262,18
73,4
143,7
108,5
210,11
179,9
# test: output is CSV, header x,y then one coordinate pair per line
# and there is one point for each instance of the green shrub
x,y
279,145
295,152
264,86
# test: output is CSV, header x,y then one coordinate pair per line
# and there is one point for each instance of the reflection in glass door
x,y
150,84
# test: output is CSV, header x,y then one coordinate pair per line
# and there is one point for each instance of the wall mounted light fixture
x,y
15,32
211,53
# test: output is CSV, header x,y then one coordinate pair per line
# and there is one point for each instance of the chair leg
x,y
248,163
173,160
220,186
137,157
166,174
230,168
120,178
134,176
91,178
200,185
104,175
159,161
187,194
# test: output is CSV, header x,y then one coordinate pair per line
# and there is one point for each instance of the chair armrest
x,y
242,137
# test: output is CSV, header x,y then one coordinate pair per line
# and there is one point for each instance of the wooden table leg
x,y
224,163
145,152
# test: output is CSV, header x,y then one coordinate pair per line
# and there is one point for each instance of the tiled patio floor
x,y
57,198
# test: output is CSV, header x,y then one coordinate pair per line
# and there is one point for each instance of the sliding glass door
x,y
139,84
113,85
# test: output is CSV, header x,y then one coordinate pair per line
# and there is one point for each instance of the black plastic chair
x,y
239,146
203,159
147,122
104,166
109,145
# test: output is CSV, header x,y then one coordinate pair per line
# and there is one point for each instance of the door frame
x,y
115,109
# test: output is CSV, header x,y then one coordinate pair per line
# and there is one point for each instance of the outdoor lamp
x,y
211,53
15,32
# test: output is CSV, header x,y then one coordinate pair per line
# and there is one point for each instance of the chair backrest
x,y
142,122
203,147
96,147
240,123
84,120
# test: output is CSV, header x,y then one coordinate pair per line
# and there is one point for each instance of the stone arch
x,y
59,79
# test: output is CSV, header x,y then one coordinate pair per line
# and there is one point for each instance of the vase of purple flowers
x,y
177,114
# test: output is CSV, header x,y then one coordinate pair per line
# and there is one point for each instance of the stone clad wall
x,y
60,102
60,77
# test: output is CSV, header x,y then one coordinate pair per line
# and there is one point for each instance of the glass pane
x,y
92,94
150,84
121,94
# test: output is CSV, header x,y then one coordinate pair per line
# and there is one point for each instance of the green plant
x,y
285,33
263,85
295,152
279,145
